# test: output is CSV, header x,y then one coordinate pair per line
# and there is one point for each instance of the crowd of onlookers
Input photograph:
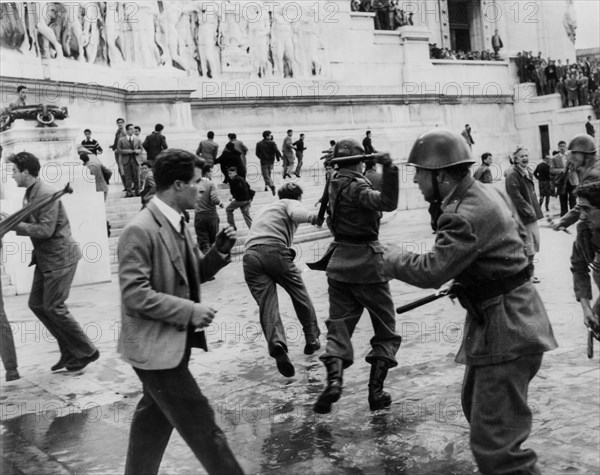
x,y
436,52
577,82
388,14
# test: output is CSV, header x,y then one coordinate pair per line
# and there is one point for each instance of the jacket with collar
x,y
520,188
471,250
50,232
155,292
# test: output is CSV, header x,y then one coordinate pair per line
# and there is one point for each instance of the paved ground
x,y
65,423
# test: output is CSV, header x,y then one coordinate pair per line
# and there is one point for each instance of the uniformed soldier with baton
x,y
354,265
479,243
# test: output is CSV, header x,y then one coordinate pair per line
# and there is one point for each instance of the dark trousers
x,y
267,173
346,305
131,170
120,167
244,206
567,198
7,343
288,165
300,158
264,268
207,228
49,292
172,399
494,400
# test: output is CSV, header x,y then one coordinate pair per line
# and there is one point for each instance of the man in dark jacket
x,y
483,173
242,196
155,143
506,330
231,158
368,144
354,266
542,175
520,189
267,151
55,256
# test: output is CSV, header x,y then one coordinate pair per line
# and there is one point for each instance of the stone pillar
x,y
417,67
56,148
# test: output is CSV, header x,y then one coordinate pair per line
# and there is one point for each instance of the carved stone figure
x,y
207,36
139,19
306,38
570,21
113,19
258,40
12,31
282,40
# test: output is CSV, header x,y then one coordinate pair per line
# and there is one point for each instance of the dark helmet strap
x,y
435,209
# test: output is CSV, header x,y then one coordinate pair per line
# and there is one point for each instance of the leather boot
x,y
333,391
378,398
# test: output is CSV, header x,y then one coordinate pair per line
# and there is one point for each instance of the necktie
x,y
182,226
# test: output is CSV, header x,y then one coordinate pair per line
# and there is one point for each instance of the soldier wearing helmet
x,y
268,261
583,157
354,265
479,244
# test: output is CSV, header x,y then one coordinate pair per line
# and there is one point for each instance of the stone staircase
x,y
120,211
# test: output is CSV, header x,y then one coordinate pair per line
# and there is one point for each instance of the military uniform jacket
x,y
356,256
587,174
479,240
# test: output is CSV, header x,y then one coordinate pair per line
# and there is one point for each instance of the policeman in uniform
x,y
506,330
582,154
353,264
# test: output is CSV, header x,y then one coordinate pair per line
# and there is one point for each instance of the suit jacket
x,y
522,193
95,167
155,292
154,144
590,130
267,151
50,232
127,149
208,149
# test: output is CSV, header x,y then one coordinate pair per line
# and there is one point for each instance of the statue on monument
x,y
282,40
140,39
570,21
258,40
207,37
111,33
306,39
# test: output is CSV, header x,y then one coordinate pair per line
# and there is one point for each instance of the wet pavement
x,y
78,423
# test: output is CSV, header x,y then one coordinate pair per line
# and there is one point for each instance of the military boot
x,y
378,398
333,391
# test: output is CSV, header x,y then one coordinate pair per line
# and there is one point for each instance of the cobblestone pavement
x,y
78,423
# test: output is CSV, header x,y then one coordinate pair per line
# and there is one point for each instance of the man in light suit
x,y
160,271
129,147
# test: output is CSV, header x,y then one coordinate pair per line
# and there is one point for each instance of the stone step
x,y
8,290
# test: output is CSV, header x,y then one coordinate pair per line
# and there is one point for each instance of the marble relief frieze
x,y
204,39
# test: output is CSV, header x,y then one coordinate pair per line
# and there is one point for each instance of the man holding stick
x,y
507,329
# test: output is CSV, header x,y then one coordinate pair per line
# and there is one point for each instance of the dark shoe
x,y
62,362
284,365
273,190
129,194
266,188
12,375
378,398
312,346
81,363
333,391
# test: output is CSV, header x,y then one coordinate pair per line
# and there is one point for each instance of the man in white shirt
x,y
268,261
160,271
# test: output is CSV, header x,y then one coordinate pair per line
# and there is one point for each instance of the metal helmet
x,y
582,143
347,147
439,148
